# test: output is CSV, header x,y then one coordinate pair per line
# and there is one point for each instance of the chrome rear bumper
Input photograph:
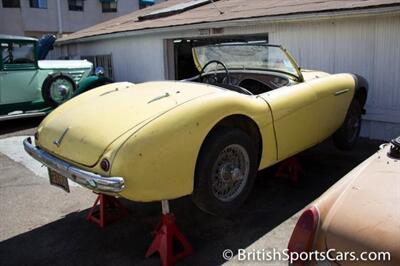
x,y
85,178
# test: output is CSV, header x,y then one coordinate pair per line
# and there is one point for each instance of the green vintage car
x,y
32,87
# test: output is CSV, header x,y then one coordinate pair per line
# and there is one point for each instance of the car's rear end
x,y
357,220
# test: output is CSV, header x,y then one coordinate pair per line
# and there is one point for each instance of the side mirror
x,y
99,71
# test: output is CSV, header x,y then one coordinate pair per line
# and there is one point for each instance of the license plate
x,y
58,180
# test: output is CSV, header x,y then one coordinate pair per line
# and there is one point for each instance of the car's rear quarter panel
x,y
158,162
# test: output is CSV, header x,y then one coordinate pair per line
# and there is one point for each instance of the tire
x,y
214,164
57,88
347,135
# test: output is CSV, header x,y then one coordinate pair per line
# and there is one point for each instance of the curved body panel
x,y
360,213
152,132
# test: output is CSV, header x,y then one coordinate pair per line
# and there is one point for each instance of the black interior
x,y
255,86
245,82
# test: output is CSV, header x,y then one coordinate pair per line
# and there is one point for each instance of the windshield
x,y
247,56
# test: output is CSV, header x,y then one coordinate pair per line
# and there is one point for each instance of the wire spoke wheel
x,y
225,171
353,125
231,170
347,135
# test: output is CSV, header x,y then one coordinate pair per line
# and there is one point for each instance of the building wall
x,y
135,59
11,21
368,46
36,21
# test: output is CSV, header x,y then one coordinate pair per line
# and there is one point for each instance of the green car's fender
x,y
91,82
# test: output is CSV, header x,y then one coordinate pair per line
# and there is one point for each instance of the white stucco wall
x,y
135,59
369,46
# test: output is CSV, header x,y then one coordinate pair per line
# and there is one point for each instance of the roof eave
x,y
309,16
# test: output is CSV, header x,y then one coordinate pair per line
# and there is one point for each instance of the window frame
x,y
72,5
37,5
11,6
21,66
102,60
109,9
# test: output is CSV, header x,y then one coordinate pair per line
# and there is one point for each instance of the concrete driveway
x,y
42,225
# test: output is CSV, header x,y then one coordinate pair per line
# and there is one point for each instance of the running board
x,y
23,115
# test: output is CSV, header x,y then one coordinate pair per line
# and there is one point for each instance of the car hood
x,y
366,215
64,64
44,45
86,125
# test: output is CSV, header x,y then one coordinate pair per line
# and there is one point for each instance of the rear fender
x,y
158,161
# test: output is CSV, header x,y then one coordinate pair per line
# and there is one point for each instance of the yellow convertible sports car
x,y
250,107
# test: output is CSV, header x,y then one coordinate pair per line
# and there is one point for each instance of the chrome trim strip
x,y
23,115
87,179
341,92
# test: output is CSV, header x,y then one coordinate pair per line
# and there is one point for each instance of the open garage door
x,y
180,63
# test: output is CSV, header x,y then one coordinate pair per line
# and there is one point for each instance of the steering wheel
x,y
225,79
6,59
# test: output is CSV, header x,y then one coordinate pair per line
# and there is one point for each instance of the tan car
x,y
357,221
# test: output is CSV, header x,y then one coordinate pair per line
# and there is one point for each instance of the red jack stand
x,y
166,233
101,215
290,168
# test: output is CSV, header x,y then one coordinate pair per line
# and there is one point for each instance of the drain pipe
x,y
60,26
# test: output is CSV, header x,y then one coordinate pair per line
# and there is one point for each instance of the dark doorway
x,y
184,66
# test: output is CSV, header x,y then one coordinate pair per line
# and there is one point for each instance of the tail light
x,y
304,233
105,165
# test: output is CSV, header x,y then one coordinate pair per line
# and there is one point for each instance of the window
x,y
11,3
109,6
75,5
18,53
38,3
145,3
104,61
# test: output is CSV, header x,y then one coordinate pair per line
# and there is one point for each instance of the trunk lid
x,y
86,125
366,216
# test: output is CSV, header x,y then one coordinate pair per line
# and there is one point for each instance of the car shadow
x,y
20,126
74,241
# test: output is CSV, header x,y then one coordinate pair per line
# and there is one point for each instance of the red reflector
x,y
303,234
